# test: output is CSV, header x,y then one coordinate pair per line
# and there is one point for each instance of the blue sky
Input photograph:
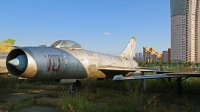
x,y
99,25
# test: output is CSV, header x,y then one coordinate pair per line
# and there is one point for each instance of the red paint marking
x,y
53,67
49,64
53,60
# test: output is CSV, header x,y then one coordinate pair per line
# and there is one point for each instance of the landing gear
x,y
56,80
143,85
169,79
100,79
73,87
179,86
77,84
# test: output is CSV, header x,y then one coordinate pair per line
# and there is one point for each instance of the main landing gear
x,y
73,87
143,85
179,85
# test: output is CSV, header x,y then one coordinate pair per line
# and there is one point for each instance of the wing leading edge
x,y
154,76
158,76
123,69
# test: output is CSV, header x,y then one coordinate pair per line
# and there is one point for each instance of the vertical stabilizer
x,y
129,51
11,41
6,46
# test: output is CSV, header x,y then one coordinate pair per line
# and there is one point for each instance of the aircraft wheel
x,y
100,79
57,80
77,84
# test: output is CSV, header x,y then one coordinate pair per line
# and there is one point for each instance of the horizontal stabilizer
x,y
6,46
11,41
3,70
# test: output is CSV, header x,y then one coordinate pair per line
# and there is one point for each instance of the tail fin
x,y
6,46
129,51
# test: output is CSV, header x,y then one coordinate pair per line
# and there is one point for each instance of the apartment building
x,y
185,31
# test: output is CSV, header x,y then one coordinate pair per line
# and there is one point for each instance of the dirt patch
x,y
16,96
26,94
37,109
48,86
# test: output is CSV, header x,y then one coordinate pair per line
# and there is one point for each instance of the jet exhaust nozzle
x,y
20,62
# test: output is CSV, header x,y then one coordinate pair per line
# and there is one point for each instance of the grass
x,y
15,105
107,96
79,102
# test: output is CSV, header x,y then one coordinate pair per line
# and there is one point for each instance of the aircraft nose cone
x,y
19,62
14,62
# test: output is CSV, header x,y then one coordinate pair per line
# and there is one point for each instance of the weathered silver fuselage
x,y
3,62
55,63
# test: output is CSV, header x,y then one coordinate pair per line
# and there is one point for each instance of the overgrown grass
x,y
186,69
107,96
126,96
15,105
79,102
6,84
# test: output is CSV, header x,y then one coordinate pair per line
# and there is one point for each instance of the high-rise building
x,y
169,54
185,31
138,57
166,55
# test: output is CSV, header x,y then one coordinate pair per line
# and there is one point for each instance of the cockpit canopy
x,y
66,44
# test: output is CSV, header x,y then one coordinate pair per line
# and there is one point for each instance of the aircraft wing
x,y
154,76
112,68
158,76
188,74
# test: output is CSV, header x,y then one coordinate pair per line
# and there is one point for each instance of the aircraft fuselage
x,y
55,63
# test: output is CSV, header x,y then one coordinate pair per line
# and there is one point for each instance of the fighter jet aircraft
x,y
5,48
67,60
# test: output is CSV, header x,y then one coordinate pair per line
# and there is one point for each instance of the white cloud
x,y
106,33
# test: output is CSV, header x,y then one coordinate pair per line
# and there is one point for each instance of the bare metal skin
x,y
66,59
